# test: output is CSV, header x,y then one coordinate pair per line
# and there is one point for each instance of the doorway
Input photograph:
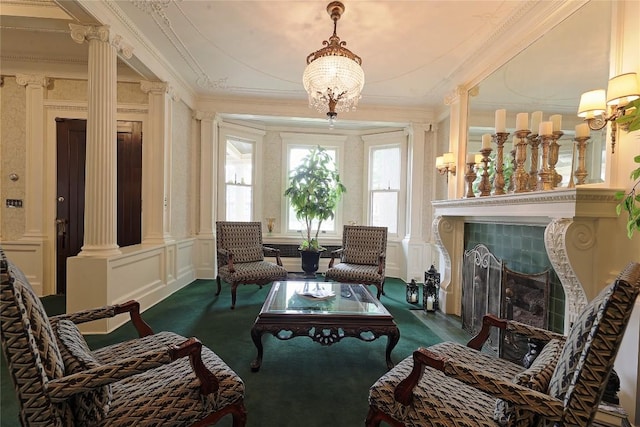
x,y
70,187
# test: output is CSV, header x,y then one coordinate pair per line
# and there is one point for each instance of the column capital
x,y
32,80
80,33
204,115
454,96
159,88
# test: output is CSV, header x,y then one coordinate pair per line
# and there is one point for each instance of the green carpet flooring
x,y
300,383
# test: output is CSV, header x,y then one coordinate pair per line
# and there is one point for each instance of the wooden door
x,y
71,159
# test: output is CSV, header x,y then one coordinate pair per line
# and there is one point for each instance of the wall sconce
x,y
620,92
446,163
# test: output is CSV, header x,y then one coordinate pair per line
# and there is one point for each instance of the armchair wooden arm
x,y
273,252
335,254
490,320
132,307
61,389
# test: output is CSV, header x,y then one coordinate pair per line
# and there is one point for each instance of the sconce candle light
x,y
445,164
622,89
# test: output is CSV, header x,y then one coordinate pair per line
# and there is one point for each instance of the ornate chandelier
x,y
333,77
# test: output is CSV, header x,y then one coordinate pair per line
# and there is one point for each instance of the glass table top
x,y
299,297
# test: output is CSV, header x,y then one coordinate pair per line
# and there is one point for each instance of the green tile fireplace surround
x,y
521,248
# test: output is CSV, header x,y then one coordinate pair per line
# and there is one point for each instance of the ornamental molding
x,y
454,96
204,115
159,88
32,80
438,226
80,33
556,237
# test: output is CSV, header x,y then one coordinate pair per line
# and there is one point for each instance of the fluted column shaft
x,y
100,214
208,168
157,227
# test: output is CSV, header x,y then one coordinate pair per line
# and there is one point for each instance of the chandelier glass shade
x,y
333,77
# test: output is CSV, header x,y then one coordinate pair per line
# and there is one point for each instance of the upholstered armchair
x,y
362,257
451,384
241,257
157,379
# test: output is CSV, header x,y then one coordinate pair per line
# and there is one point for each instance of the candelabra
x,y
554,151
521,175
485,186
498,181
581,171
545,175
470,177
512,184
534,142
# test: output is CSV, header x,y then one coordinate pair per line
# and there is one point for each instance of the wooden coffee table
x,y
326,312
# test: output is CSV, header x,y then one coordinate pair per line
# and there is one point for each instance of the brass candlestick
x,y
485,186
534,142
512,184
545,175
521,175
554,151
470,177
498,181
581,173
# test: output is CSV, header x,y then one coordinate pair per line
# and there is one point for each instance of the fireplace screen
x,y
525,299
481,291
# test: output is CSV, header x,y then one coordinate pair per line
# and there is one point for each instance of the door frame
x,y
73,110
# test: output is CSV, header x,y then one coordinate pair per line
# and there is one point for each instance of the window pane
x,y
296,154
385,168
239,162
238,202
384,211
239,176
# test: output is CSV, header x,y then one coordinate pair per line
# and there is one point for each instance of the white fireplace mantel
x,y
579,224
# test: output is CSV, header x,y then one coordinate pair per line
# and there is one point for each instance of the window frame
x,y
230,131
380,141
292,140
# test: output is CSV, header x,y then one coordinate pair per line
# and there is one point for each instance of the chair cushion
x,y
253,272
438,400
169,395
355,273
537,378
93,405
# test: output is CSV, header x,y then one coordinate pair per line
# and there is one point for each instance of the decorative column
x,y
157,146
100,218
416,251
35,226
205,233
499,138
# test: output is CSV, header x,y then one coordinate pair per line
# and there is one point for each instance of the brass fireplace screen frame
x,y
489,286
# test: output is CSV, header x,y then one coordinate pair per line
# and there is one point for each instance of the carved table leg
x,y
393,338
256,336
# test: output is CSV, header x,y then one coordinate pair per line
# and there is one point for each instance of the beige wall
x,y
182,158
13,155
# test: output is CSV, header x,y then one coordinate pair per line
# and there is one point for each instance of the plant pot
x,y
310,262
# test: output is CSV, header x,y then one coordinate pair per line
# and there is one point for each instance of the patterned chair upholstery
x,y
450,384
241,257
157,379
362,257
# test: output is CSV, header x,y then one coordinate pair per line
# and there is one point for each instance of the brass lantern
x,y
413,295
431,290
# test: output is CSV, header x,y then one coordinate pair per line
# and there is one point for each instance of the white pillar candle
x,y
471,158
556,119
486,140
430,303
536,118
522,120
546,128
582,130
501,120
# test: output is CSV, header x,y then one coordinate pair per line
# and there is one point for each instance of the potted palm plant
x,y
314,192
